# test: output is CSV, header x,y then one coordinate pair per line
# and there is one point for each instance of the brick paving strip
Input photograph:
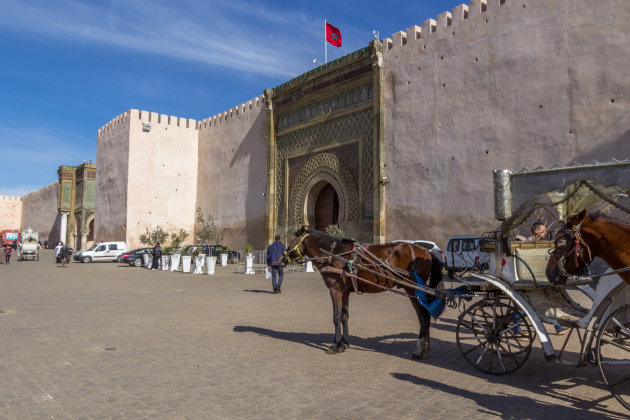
x,y
105,340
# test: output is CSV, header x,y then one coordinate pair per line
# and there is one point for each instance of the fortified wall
x,y
10,212
232,173
147,175
396,141
498,84
39,212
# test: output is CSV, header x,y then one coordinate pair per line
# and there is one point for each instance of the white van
x,y
102,251
463,252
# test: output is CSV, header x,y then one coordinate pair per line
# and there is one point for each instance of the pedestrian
x,y
58,248
274,255
7,253
65,254
15,243
157,256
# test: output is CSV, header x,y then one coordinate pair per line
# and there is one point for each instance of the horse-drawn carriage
x,y
512,297
555,280
29,245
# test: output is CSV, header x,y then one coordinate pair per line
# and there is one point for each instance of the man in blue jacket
x,y
274,255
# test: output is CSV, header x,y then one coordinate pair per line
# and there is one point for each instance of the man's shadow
x,y
269,292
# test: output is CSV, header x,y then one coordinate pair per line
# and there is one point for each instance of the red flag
x,y
333,35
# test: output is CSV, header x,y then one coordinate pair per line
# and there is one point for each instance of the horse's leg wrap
x,y
422,348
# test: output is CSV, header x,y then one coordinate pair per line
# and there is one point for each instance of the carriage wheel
x,y
494,336
613,348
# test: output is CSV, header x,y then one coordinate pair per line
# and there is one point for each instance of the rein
x,y
295,248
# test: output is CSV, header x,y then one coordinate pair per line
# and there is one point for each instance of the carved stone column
x,y
84,235
63,230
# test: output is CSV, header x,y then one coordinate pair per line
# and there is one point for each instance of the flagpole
x,y
325,46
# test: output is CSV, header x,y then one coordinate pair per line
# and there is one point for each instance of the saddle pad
x,y
536,259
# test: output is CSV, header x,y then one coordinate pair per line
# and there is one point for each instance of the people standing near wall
x,y
157,256
274,255
7,253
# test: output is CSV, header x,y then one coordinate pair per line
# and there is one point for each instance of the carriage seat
x,y
536,255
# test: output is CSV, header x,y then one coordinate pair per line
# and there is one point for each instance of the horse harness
x,y
575,250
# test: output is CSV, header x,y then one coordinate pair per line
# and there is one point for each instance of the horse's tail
x,y
436,271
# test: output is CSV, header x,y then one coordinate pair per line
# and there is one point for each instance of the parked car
x,y
134,257
213,250
463,252
428,245
102,251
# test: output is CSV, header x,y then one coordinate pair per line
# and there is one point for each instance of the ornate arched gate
x,y
325,142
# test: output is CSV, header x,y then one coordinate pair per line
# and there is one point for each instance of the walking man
x,y
157,256
274,255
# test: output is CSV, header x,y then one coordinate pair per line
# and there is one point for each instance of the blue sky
x,y
69,66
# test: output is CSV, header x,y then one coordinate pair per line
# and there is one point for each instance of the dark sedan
x,y
134,257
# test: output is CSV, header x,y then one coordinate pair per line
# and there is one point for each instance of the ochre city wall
x,y
39,212
233,173
498,84
112,177
10,212
162,174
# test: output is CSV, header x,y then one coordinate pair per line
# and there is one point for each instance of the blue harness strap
x,y
436,306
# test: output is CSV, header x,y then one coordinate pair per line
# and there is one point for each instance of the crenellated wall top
x,y
149,117
242,109
445,21
10,198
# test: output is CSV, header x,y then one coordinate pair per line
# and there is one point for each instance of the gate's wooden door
x,y
326,208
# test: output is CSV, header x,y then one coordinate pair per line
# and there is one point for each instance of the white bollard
x,y
186,260
308,267
249,264
198,264
165,262
224,259
175,262
211,262
146,260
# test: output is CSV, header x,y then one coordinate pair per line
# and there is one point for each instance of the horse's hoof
x,y
416,356
337,348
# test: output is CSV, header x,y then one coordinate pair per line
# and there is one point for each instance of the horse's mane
x,y
331,238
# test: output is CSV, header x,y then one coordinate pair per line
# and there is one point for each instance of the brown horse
x,y
337,276
584,238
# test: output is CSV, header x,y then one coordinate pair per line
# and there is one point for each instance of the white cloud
x,y
226,34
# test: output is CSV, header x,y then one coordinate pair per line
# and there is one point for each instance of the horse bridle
x,y
574,249
295,248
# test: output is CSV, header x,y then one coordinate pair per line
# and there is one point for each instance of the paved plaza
x,y
106,340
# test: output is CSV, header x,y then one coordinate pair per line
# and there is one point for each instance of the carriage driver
x,y
274,255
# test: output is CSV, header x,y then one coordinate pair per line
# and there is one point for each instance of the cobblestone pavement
x,y
105,340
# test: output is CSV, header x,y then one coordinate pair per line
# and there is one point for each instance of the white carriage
x,y
514,297
29,245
